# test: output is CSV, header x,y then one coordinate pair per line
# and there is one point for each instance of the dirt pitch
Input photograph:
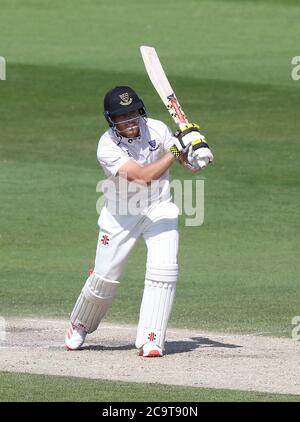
x,y
193,358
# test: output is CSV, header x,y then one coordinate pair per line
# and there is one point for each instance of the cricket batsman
x,y
136,153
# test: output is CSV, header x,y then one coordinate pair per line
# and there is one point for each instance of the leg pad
x,y
157,302
93,302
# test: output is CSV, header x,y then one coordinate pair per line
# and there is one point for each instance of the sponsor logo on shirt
x,y
105,240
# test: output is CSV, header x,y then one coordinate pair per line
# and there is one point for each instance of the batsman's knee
x,y
93,302
162,273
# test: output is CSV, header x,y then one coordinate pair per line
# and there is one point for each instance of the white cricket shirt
x,y
122,196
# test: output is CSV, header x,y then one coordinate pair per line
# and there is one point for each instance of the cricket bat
x,y
160,82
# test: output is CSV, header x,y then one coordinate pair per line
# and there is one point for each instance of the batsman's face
x,y
128,124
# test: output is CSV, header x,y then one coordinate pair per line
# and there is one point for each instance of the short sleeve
x,y
110,156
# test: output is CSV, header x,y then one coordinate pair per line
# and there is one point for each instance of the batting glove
x,y
187,134
199,154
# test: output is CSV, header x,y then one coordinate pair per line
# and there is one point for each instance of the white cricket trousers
x,y
118,235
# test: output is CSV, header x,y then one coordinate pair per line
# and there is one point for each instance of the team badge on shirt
x,y
153,145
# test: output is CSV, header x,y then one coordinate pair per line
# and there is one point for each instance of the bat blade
x,y
160,82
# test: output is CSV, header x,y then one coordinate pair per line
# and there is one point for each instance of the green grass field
x,y
230,65
42,388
